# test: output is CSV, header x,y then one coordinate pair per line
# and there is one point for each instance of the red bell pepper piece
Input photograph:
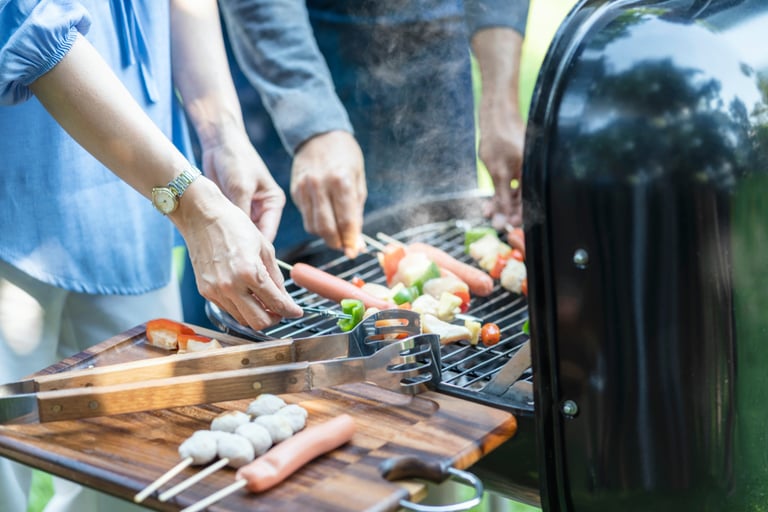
x,y
165,333
184,338
501,262
389,258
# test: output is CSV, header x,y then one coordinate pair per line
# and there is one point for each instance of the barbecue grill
x,y
646,152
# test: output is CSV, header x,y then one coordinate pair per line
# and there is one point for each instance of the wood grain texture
x,y
122,454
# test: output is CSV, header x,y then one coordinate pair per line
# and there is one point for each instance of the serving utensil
x,y
403,365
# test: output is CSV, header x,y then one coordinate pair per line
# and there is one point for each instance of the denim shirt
x,y
66,219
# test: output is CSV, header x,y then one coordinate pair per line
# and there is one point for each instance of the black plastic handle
x,y
435,470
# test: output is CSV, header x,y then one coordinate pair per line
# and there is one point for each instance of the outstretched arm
x,y
497,29
202,76
233,262
275,47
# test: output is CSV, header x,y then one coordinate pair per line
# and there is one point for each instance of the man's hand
x,y
502,131
502,135
328,187
241,174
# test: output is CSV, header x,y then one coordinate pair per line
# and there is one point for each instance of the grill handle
x,y
435,470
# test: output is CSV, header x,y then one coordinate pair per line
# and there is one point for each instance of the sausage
x,y
516,239
285,458
479,282
332,287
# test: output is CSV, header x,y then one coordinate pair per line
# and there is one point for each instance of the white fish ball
x,y
278,427
229,421
265,404
201,446
258,435
237,449
296,416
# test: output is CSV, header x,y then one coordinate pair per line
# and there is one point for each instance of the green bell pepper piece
x,y
406,294
432,272
526,327
472,235
355,309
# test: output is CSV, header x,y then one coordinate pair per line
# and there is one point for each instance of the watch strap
x,y
180,183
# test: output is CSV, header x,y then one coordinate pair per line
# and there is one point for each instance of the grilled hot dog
x,y
332,287
285,458
479,282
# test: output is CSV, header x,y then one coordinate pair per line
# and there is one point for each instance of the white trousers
x,y
40,325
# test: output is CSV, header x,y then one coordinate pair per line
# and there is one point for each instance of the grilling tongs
x,y
397,359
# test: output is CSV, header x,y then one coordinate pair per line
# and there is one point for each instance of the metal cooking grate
x,y
466,368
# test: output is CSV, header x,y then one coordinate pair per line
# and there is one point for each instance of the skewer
x,y
373,242
325,312
175,470
388,239
185,484
286,266
218,495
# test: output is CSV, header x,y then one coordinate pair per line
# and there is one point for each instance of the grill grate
x,y
466,368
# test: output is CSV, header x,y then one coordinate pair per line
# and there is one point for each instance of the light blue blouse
x,y
66,219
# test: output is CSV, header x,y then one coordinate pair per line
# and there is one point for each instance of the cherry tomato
x,y
490,334
517,254
524,287
358,281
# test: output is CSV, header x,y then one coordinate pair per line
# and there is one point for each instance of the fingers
x,y
266,211
333,210
258,300
328,186
348,206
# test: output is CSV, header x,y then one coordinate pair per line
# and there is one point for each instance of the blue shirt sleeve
x,y
482,14
275,47
34,36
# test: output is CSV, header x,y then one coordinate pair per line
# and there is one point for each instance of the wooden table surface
x,y
122,454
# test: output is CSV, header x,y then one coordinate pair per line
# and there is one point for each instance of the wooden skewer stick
x,y
388,239
373,242
284,265
175,470
218,495
173,491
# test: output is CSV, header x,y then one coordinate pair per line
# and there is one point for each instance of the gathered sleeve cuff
x,y
34,37
482,14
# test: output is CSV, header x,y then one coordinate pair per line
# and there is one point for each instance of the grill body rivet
x,y
581,258
569,408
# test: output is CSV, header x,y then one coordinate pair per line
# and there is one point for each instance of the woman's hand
x,y
234,263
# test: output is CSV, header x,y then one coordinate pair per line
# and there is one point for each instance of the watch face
x,y
164,199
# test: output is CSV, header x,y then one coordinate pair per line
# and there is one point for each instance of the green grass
x,y
40,492
543,20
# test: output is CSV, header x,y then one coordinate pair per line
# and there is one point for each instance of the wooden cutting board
x,y
122,454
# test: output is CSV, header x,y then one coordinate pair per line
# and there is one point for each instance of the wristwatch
x,y
166,199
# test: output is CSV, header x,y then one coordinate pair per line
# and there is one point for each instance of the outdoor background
x,y
543,19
